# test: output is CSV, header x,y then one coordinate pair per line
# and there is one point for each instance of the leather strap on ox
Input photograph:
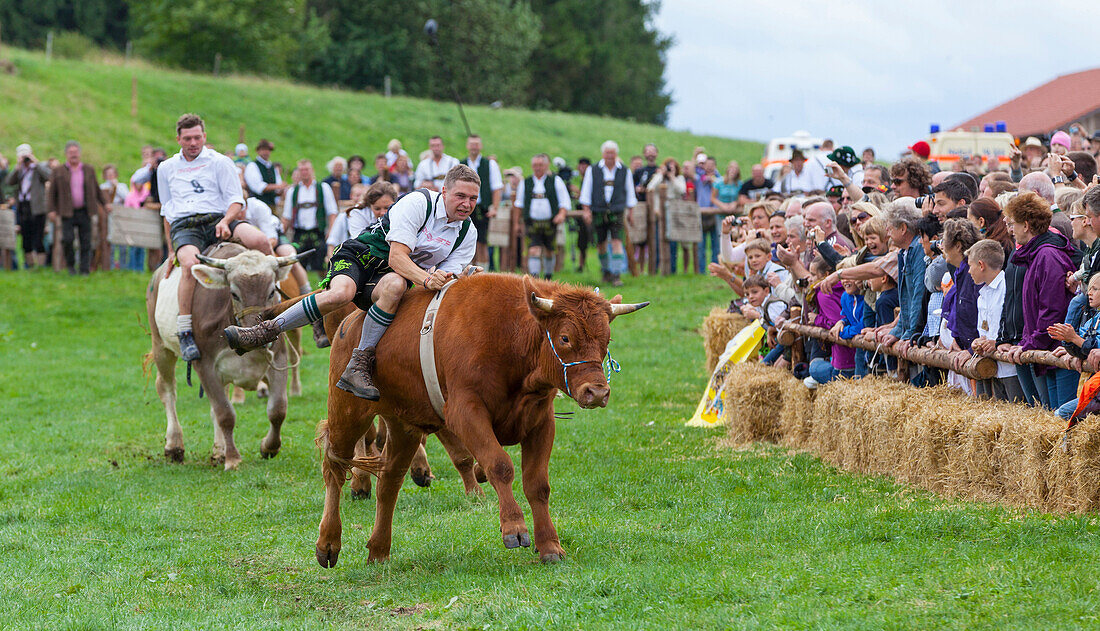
x,y
427,351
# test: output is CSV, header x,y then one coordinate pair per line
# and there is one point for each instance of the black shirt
x,y
756,191
642,177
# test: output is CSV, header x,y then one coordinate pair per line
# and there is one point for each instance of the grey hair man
x,y
607,193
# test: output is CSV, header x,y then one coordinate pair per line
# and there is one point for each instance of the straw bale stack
x,y
753,400
718,329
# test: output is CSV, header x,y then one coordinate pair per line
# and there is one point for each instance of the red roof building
x,y
1052,106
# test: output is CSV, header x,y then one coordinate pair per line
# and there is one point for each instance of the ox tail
x,y
276,309
336,469
146,362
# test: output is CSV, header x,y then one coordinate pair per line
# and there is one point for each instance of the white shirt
x,y
142,175
812,178
496,182
609,182
431,246
991,300
306,219
120,192
391,157
338,233
360,219
259,214
433,171
540,206
255,180
780,271
208,184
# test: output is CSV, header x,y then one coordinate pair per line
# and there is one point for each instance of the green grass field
x,y
664,529
50,102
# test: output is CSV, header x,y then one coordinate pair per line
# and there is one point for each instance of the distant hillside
x,y
47,103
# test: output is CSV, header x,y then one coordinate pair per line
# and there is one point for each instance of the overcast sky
x,y
863,73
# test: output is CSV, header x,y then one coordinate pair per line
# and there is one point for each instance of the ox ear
x,y
539,307
209,277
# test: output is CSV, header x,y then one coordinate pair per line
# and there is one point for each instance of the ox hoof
x,y
174,455
267,455
479,474
360,494
515,541
421,478
552,558
328,557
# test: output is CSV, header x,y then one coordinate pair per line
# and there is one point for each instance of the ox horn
x,y
293,258
546,304
619,309
218,263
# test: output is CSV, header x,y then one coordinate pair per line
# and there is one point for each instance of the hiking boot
x,y
358,377
616,281
244,339
189,351
320,338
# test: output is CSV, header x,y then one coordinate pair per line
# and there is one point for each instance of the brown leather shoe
x,y
320,338
358,377
244,339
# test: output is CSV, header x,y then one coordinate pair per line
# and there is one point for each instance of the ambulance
x,y
948,146
779,152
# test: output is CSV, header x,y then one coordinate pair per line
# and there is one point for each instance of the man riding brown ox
x,y
504,346
235,285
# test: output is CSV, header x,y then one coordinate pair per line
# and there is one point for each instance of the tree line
x,y
601,57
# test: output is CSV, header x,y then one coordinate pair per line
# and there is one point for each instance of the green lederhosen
x,y
365,259
313,239
541,232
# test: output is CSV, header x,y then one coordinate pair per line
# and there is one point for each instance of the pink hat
x,y
1060,138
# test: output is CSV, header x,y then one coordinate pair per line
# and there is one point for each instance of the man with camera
x,y
29,179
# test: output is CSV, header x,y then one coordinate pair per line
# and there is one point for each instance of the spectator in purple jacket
x,y
960,302
1045,257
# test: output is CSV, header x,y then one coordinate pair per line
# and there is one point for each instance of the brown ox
x,y
498,372
420,471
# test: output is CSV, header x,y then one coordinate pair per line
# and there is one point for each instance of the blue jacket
x,y
851,312
911,266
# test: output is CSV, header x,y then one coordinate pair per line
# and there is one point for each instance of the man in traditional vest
x,y
432,170
423,240
544,201
607,192
488,200
263,179
201,202
308,213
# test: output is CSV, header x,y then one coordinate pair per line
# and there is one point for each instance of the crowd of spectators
x,y
47,205
981,256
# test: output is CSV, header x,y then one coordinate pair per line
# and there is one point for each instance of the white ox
x,y
235,286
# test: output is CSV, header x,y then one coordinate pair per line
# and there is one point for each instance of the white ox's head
x,y
251,278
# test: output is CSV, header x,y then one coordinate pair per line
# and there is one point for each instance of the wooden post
x,y
628,247
240,134
217,63
133,97
661,217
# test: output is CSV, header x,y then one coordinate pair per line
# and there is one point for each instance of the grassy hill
x,y
47,103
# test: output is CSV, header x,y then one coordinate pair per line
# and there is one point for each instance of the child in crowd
x,y
1082,341
986,260
842,362
883,319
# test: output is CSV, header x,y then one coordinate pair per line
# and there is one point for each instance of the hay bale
x,y
753,400
973,468
1073,472
796,420
1023,449
719,327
